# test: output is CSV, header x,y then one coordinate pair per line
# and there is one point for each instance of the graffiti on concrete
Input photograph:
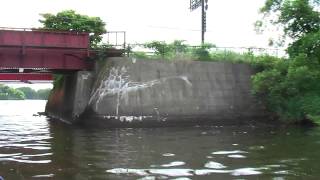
x,y
118,84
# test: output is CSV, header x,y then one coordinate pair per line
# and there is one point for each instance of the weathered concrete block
x,y
69,100
158,92
127,92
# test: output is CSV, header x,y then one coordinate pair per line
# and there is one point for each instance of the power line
x,y
175,28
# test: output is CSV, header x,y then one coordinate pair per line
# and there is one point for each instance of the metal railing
x,y
42,30
224,52
116,39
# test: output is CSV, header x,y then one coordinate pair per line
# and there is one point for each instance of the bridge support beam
x,y
69,99
26,77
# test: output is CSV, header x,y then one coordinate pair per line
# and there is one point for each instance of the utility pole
x,y
203,21
194,4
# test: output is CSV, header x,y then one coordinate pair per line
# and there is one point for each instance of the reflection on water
x,y
32,147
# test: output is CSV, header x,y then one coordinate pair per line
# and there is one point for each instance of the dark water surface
x,y
32,147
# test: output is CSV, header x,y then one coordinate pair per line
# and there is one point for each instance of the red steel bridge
x,y
32,54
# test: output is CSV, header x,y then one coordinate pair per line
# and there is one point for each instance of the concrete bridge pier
x,y
70,98
126,92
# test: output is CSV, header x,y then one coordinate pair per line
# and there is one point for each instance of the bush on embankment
x,y
291,89
178,50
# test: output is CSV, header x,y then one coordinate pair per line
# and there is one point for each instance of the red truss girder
x,y
45,58
34,37
44,49
26,77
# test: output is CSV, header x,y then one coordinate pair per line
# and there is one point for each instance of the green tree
x,y
202,52
43,93
69,20
297,17
160,48
291,88
171,50
7,93
28,92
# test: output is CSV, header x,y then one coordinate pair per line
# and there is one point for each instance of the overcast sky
x,y
229,22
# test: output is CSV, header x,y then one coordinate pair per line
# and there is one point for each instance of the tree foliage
x,y
30,93
179,50
7,93
297,17
174,50
69,20
43,93
291,87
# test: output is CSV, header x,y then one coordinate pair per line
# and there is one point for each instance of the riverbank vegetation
x,y
30,93
8,93
291,87
179,50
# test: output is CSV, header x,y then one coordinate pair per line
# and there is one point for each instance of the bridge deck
x,y
39,51
26,77
34,49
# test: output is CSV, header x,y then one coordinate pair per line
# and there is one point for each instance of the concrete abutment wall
x,y
69,100
130,92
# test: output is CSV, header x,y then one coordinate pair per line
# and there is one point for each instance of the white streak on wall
x,y
118,83
85,76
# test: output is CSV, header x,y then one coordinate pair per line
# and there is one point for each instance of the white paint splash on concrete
x,y
85,76
118,83
127,118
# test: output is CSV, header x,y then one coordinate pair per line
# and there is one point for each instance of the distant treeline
x,y
8,93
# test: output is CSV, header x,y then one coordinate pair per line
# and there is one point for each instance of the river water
x,y
33,147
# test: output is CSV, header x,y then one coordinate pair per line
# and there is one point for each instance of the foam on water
x,y
236,156
175,163
187,172
214,165
229,152
168,154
